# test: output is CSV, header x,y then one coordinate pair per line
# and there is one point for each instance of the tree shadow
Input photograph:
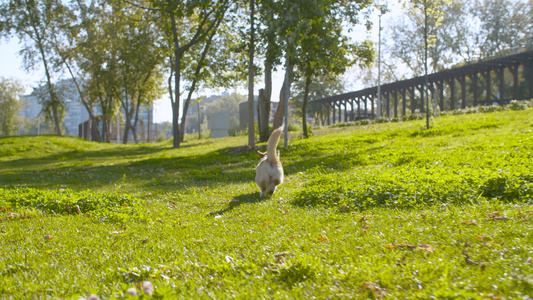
x,y
237,201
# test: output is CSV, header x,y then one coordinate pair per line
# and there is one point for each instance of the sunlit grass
x,y
385,210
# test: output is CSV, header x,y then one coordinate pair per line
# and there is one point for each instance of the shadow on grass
x,y
136,169
76,156
238,201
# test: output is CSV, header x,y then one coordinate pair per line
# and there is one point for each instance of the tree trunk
x,y
177,78
280,110
127,127
137,108
54,101
304,106
251,133
263,105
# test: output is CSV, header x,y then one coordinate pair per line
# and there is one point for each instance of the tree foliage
x,y
10,92
36,22
184,25
460,31
318,45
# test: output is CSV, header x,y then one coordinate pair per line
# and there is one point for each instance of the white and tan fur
x,y
269,171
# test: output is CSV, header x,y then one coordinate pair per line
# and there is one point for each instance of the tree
x,y
504,25
10,92
36,22
321,87
460,31
319,46
217,61
72,46
139,62
251,75
198,18
269,46
409,39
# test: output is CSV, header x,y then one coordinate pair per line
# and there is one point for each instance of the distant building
x,y
33,120
219,124
76,114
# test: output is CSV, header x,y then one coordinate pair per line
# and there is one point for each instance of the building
x,y
76,115
32,120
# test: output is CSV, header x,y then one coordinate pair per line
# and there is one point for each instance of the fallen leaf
x,y
499,219
280,255
49,237
6,208
493,214
401,218
467,245
267,223
365,218
284,253
374,288
529,260
78,210
234,200
482,237
470,222
145,241
371,286
468,260
292,237
428,248
322,239
402,245
344,208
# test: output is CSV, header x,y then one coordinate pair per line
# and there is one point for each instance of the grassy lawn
x,y
387,210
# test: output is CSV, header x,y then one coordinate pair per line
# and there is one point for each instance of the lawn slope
x,y
388,210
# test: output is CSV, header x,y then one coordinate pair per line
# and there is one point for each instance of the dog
x,y
269,171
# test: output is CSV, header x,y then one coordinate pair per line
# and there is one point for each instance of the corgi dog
x,y
269,171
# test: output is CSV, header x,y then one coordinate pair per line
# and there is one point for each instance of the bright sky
x,y
11,67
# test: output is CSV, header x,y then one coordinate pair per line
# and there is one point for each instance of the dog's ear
x,y
261,154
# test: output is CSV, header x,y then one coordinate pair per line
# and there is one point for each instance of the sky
x,y
11,66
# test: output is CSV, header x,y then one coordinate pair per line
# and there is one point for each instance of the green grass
x,y
388,210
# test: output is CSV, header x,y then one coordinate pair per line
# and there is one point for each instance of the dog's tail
x,y
272,156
